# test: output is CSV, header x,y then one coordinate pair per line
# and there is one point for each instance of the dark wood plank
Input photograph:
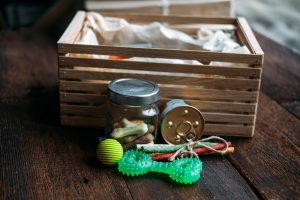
x,y
218,181
272,165
28,61
40,160
270,160
274,116
281,74
60,163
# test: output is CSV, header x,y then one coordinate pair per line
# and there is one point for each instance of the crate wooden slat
x,y
227,96
170,91
247,36
82,121
97,111
165,67
212,106
160,78
216,129
203,56
179,19
173,7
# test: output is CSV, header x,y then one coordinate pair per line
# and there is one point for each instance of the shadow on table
x,y
43,111
44,105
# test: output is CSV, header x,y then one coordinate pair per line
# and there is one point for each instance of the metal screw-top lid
x,y
131,91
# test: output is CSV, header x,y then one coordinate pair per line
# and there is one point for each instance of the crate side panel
x,y
164,67
168,91
204,56
162,78
96,111
212,106
210,129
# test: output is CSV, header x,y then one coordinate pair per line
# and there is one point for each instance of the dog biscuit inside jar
x,y
132,111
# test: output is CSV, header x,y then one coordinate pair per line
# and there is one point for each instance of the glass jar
x,y
132,111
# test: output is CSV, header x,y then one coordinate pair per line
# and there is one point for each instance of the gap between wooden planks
x,y
270,160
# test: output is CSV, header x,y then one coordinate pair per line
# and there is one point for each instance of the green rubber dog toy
x,y
182,170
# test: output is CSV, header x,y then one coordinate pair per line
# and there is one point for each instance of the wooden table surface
x,y
42,160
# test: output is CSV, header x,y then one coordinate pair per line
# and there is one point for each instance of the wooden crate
x,y
227,96
220,8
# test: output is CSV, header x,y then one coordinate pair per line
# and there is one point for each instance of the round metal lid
x,y
131,91
181,124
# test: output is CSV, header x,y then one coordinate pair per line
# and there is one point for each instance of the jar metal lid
x,y
181,122
131,91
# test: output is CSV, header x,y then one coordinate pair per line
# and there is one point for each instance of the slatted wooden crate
x,y
227,96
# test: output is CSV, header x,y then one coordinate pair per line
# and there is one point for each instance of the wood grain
x,y
162,78
281,75
16,80
207,77
82,98
146,18
274,161
202,56
270,160
247,36
41,161
230,107
210,117
161,67
229,184
168,91
210,128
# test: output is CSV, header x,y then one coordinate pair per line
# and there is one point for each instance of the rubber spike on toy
x,y
182,170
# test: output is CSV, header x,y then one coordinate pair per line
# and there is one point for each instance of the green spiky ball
x,y
109,152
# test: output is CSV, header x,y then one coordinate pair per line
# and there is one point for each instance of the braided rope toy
x,y
182,170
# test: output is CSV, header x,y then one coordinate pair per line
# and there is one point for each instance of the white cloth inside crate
x,y
118,32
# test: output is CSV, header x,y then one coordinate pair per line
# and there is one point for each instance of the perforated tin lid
x,y
131,91
181,122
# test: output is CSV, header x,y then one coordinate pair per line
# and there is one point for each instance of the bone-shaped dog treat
x,y
182,170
